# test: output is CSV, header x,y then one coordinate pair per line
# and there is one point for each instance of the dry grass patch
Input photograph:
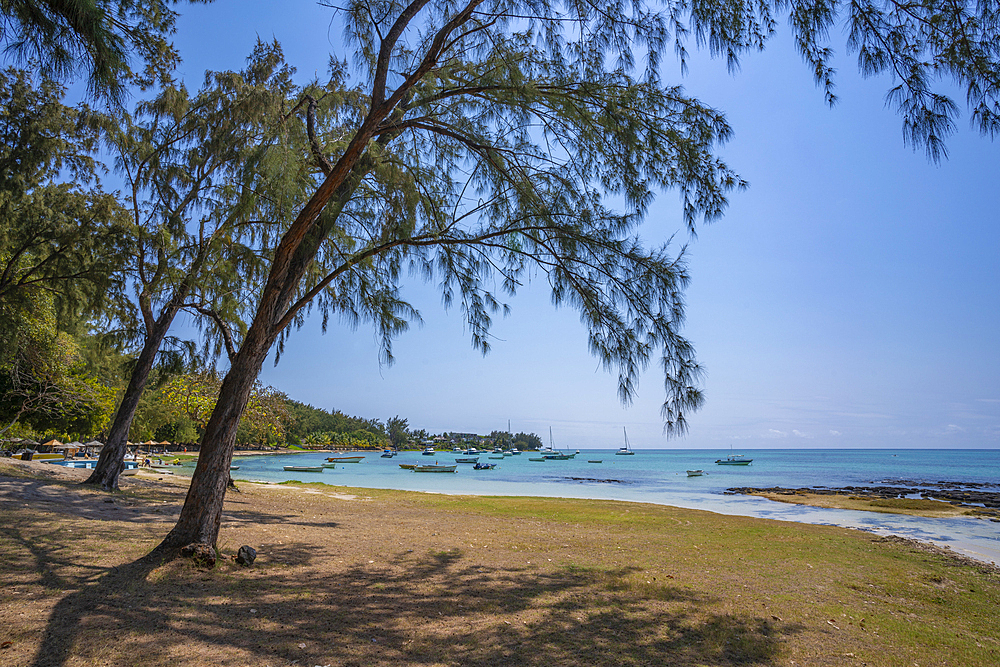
x,y
371,577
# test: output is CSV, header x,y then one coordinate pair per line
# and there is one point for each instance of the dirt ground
x,y
364,577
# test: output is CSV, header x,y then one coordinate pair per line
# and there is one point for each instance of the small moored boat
x,y
434,468
485,466
345,459
407,466
304,468
695,473
625,449
735,460
468,459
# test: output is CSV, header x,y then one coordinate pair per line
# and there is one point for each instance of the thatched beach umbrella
x,y
52,444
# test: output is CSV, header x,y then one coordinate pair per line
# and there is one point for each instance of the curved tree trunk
x,y
112,459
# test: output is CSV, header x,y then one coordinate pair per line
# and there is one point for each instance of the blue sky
x,y
849,298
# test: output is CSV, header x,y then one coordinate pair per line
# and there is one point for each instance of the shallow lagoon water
x,y
659,477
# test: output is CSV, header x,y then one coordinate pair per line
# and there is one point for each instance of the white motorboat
x,y
735,460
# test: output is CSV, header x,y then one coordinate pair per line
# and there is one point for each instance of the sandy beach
x,y
372,577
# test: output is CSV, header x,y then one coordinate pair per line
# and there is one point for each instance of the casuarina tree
x,y
198,192
493,142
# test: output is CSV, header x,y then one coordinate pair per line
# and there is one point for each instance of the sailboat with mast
x,y
626,449
550,453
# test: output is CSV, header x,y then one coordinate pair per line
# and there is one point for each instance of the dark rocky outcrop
x,y
984,498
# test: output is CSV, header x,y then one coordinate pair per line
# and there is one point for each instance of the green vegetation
x,y
923,504
101,40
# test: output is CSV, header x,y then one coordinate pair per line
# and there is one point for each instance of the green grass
x,y
920,504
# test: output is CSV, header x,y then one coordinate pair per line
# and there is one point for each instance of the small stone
x,y
246,555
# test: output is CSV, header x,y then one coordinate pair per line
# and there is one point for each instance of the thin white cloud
x,y
800,434
775,433
834,433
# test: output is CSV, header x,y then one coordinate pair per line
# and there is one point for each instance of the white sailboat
x,y
625,449
552,454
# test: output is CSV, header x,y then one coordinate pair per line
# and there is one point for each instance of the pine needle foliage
x,y
101,39
62,234
925,47
493,164
198,197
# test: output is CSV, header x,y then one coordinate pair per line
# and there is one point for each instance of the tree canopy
x,y
62,232
98,39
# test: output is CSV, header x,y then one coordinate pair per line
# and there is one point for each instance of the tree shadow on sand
x,y
432,608
298,605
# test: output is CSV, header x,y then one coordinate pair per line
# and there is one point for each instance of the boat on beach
x,y
434,468
304,468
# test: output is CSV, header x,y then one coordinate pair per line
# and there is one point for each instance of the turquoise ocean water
x,y
658,476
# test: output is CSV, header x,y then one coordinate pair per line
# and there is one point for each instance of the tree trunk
x,y
201,515
112,459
